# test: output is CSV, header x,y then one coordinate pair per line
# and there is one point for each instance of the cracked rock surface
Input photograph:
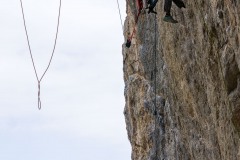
x,y
182,82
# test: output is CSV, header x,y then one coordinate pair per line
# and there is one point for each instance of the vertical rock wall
x,y
193,67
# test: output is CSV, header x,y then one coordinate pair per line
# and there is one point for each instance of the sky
x,y
82,93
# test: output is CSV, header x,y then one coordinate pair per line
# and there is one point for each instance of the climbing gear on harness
x,y
39,79
169,18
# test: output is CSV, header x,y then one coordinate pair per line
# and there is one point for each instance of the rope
x,y
155,82
30,51
155,65
119,12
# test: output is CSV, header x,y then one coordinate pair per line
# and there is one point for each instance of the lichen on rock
x,y
182,87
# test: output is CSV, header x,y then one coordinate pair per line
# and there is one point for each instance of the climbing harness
x,y
39,79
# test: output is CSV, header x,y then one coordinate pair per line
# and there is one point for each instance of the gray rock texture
x,y
182,82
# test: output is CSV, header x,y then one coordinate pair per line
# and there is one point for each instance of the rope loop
x,y
30,50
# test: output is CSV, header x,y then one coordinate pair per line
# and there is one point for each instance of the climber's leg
x,y
179,3
167,9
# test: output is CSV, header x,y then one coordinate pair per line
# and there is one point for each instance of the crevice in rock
x,y
236,120
232,72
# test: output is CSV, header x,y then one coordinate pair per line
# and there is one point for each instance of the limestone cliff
x,y
193,67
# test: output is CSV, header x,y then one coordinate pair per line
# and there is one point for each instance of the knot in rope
x,y
39,95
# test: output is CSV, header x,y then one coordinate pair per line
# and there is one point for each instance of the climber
x,y
151,4
167,9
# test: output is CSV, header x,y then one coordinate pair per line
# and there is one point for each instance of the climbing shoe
x,y
169,19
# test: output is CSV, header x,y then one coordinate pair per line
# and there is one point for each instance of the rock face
x,y
182,82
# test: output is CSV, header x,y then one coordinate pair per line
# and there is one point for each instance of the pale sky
x,y
82,93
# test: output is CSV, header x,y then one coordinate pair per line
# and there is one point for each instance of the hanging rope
x,y
155,64
120,15
30,51
155,81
